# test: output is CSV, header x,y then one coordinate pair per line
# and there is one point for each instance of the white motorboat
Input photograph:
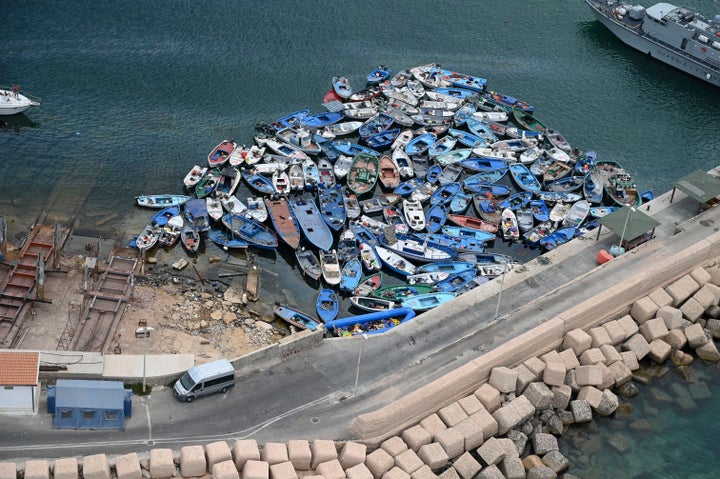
x,y
13,102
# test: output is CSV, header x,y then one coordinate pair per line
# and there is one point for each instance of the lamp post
x,y
144,331
357,370
502,283
627,218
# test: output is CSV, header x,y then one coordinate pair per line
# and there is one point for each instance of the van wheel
x,y
189,399
224,390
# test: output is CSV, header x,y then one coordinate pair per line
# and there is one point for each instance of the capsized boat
x,y
312,224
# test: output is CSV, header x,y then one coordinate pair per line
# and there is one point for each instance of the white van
x,y
208,378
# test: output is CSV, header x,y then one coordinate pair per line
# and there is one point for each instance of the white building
x,y
19,386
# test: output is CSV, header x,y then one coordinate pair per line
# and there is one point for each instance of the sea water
x,y
135,93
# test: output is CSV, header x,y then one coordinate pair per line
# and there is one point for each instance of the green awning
x,y
629,222
699,185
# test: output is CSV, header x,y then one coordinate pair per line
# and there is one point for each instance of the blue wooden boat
x,y
433,173
376,124
445,194
518,200
593,187
351,274
291,120
363,234
250,230
326,147
493,190
558,237
585,162
370,323
420,144
459,93
226,240
465,232
481,129
486,206
341,86
600,211
332,206
484,164
319,120
456,281
523,178
161,217
380,74
477,182
161,201
313,226
460,202
327,305
406,188
567,184
463,80
308,263
540,210
427,301
457,244
466,138
296,317
507,102
196,214
347,246
353,149
442,146
382,139
445,267
435,218
259,183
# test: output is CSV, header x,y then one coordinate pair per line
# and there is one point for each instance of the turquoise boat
x,y
350,275
424,302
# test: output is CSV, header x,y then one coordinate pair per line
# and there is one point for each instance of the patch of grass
x,y
137,389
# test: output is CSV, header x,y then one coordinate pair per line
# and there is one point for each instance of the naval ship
x,y
674,35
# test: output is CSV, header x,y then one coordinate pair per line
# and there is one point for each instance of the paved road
x,y
314,395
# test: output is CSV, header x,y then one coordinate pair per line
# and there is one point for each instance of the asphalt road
x,y
318,393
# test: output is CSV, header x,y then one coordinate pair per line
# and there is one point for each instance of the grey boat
x,y
674,35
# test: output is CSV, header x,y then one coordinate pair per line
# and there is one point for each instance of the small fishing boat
x,y
256,209
396,219
558,237
559,155
463,80
286,150
477,165
420,144
194,175
190,237
389,176
436,218
465,232
371,304
379,74
576,214
290,120
299,138
556,171
163,216
406,188
508,102
350,275
450,174
398,292
487,208
531,155
296,178
527,120
281,182
474,223
208,183
600,211
327,305
343,128
196,212
430,278
395,262
425,302
466,138
442,146
214,208
326,172
259,183
450,267
363,173
516,201
161,201
593,187
377,203
460,202
353,209
147,238
509,225
342,166
619,184
383,139
376,322
417,249
220,154
311,174
481,130
558,196
368,284
445,193
283,221
228,182
170,232
540,210
479,181
459,245
226,240
297,318
403,162
369,257
331,272
423,192
453,157
523,178
341,86
250,230
308,263
332,206
414,214
497,191
558,212
376,124
314,227
320,120
539,232
456,281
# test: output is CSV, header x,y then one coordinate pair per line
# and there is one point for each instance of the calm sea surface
x,y
135,93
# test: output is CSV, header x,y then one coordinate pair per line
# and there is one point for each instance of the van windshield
x,y
186,382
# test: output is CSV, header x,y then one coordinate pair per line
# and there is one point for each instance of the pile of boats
x,y
413,176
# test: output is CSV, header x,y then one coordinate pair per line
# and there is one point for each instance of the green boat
x,y
527,121
363,173
402,291
207,183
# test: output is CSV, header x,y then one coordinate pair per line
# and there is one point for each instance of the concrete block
x,y
659,351
541,472
323,450
416,437
556,461
408,461
554,373
539,395
8,470
488,396
536,365
466,466
434,456
396,473
591,395
621,374
653,329
615,332
256,470
532,460
715,291
708,352
283,470
299,454
66,468
359,471
695,335
162,463
379,462
472,434
491,452
660,297
611,353
491,472
608,404
503,379
470,404
570,359
570,381
561,396
592,356
217,452
638,345
577,340
40,469
701,276
97,466
581,410
127,466
589,376
394,445
524,377
486,422
599,336
675,338
549,356
672,316
227,470
510,448
452,414
628,325
692,310
352,454
714,272
192,461
506,418
630,359
433,424
607,377
544,443
244,450
643,309
449,473
682,289
452,441
512,468
522,410
423,473
330,469
705,296
275,453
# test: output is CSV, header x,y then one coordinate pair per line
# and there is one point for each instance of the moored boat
x,y
375,322
296,318
308,263
327,305
250,230
161,201
425,302
220,154
351,274
313,226
363,173
331,272
283,221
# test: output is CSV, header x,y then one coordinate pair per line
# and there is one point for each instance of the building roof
x,y
699,185
629,222
19,368
89,394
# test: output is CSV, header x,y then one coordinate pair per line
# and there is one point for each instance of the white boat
x,y
13,102
342,166
352,205
233,205
402,160
330,267
344,128
296,177
194,176
529,156
281,182
214,208
286,149
414,214
369,257
245,155
500,116
432,277
256,209
148,238
576,214
402,140
271,167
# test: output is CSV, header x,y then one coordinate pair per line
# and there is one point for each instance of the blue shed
x,y
85,404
